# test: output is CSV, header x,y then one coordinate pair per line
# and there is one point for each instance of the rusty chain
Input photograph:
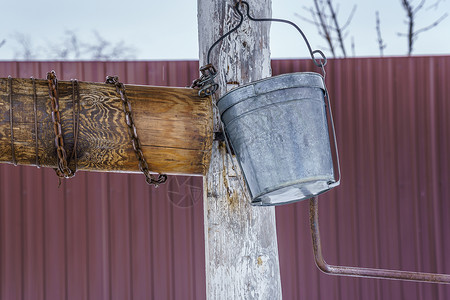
x,y
205,83
126,105
63,170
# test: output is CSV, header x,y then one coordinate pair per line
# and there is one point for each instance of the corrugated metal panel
x,y
109,236
392,209
100,236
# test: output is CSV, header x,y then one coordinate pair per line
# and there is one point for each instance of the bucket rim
x,y
223,105
268,106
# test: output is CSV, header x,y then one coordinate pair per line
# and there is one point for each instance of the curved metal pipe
x,y
357,271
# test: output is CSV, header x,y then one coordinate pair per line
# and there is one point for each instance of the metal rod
x,y
357,271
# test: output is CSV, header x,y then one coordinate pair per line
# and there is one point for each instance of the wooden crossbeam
x,y
174,126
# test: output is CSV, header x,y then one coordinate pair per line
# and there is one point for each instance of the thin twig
x,y
434,24
381,44
324,15
324,27
353,46
419,7
435,5
411,15
337,27
350,17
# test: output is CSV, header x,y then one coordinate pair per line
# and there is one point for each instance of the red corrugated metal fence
x,y
392,209
109,236
100,236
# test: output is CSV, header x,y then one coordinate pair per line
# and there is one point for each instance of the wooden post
x,y
241,241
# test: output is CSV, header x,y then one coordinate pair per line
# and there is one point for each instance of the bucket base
x,y
292,193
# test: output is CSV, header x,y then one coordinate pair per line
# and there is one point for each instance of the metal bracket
x,y
358,271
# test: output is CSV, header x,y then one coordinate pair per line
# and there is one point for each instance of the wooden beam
x,y
174,126
241,241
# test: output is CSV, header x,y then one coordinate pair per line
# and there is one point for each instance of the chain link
x,y
205,83
63,170
126,105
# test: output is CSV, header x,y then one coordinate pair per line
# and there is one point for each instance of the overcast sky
x,y
168,29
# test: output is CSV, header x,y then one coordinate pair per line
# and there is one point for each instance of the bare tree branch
x,y
68,48
411,15
350,17
435,5
2,42
26,50
74,43
98,49
323,25
105,50
353,46
434,24
71,46
410,21
324,15
319,20
307,20
122,51
381,44
346,35
340,29
419,7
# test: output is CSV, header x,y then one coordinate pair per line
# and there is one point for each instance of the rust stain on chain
x,y
126,105
63,170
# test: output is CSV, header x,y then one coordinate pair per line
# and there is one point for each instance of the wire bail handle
x,y
319,62
206,84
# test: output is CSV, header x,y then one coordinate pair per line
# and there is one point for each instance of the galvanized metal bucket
x,y
278,130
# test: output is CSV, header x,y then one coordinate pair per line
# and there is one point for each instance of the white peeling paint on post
x,y
241,243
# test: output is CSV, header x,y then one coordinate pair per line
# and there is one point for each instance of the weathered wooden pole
x,y
241,241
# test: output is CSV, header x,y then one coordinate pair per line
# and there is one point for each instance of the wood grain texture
x,y
241,241
174,126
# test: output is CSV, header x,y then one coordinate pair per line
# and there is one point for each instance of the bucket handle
x,y
206,85
321,62
338,165
209,87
